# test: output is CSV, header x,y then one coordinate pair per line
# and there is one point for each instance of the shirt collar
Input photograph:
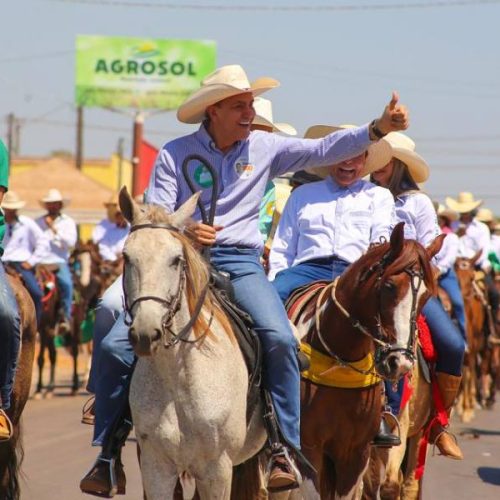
x,y
353,188
204,137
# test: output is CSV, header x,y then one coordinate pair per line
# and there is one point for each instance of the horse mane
x,y
197,272
412,253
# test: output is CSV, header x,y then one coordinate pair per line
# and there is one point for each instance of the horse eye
x,y
177,261
390,286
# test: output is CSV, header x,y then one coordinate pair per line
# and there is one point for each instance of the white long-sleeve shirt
x,y
62,241
322,219
448,254
24,241
477,237
110,238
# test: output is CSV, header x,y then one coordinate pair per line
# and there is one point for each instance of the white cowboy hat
x,y
379,153
224,82
485,215
12,201
464,203
403,148
264,117
446,212
53,196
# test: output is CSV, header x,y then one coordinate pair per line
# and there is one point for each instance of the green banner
x,y
139,73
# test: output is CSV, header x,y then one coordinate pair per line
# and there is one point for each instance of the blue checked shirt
x,y
244,172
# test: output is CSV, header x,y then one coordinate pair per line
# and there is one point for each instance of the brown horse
x,y
475,323
374,303
11,452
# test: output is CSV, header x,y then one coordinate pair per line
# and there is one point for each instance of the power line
x,y
36,56
285,8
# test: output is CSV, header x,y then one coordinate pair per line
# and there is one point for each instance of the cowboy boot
x,y
107,478
439,436
5,427
283,473
385,438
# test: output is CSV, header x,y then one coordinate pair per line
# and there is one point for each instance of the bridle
x,y
383,348
172,304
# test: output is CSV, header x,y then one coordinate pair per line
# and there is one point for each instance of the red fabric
x,y
407,392
425,339
147,158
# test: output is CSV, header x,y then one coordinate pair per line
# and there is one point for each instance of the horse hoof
x,y
38,396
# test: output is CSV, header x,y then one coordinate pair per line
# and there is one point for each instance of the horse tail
x,y
247,480
11,458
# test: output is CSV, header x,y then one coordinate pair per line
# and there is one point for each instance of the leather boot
x,y
385,438
282,475
439,436
5,427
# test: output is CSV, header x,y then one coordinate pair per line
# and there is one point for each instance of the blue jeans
x,y
255,294
289,279
65,284
10,339
32,286
449,282
449,344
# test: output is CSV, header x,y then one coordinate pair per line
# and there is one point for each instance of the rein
x,y
171,304
383,348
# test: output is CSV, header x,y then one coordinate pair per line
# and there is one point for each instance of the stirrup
x,y
10,426
111,469
88,411
285,453
436,439
394,419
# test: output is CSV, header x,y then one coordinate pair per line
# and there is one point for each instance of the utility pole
x,y
138,132
79,138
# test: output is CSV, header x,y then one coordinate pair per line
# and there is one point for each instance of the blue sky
x,y
335,66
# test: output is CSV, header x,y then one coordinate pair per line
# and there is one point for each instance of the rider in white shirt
x,y
25,246
61,231
110,234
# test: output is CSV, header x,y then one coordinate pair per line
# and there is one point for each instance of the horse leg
x,y
52,357
159,477
349,472
74,354
40,363
215,483
410,488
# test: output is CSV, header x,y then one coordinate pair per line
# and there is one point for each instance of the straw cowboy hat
x,y
464,203
485,215
12,201
264,117
379,153
442,211
403,148
224,82
54,196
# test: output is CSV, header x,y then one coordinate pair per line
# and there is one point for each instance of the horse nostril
x,y
392,363
157,335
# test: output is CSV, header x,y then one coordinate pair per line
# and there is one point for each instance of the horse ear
x,y
434,248
397,239
473,260
130,209
185,211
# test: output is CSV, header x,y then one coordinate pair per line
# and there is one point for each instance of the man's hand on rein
x,y
203,234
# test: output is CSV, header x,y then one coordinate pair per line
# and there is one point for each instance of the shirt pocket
x,y
360,219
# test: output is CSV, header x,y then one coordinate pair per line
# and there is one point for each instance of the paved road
x,y
58,454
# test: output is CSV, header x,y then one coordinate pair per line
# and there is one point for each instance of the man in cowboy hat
x,y
475,236
244,161
10,329
110,234
61,231
25,246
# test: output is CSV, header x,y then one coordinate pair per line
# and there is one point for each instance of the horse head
x,y
385,291
161,273
465,269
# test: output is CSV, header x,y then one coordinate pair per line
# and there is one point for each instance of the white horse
x,y
188,394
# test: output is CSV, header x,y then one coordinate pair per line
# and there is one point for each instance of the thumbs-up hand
x,y
394,118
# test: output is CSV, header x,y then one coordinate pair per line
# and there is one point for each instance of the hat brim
x,y
462,208
43,201
379,153
15,205
417,166
283,128
192,110
449,214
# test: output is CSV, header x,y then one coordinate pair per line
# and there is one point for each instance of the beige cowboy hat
x,y
54,196
403,148
485,215
446,212
264,117
12,201
224,82
379,153
464,203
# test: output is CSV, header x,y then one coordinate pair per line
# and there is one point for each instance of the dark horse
x,y
11,452
369,314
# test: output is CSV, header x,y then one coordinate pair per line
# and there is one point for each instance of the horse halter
x,y
172,304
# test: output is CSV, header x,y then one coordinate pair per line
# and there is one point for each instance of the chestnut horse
x,y
370,310
11,452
